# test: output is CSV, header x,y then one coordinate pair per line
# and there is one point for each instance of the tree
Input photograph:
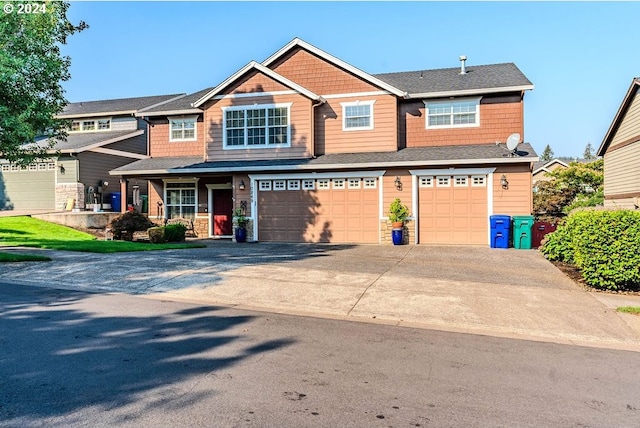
x,y
579,185
547,154
31,72
588,152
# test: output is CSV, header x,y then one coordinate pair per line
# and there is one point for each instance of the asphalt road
x,y
78,359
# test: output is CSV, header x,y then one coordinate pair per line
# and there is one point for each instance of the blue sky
x,y
581,56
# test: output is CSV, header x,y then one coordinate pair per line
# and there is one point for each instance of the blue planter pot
x,y
241,234
396,236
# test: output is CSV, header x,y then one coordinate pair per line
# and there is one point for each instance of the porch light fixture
x,y
398,183
241,186
504,182
62,170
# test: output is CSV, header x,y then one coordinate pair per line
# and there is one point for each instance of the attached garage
x,y
453,206
30,187
319,209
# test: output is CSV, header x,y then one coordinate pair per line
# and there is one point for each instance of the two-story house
x,y
104,135
314,149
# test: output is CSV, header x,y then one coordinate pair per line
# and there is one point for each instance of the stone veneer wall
x,y
409,232
66,191
201,226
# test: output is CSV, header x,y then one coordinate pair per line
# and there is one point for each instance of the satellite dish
x,y
513,141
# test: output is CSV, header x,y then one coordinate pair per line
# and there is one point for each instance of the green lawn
x,y
630,309
11,257
32,232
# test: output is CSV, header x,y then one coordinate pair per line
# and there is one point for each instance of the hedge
x,y
169,233
604,245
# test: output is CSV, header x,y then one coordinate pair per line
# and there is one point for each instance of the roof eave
x,y
618,117
310,167
169,112
467,92
96,114
100,143
330,58
261,68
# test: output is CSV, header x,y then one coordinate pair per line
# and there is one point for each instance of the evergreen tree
x,y
31,71
547,154
588,152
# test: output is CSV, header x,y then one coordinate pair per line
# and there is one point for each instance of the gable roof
x,y
82,141
617,119
336,61
449,82
180,105
261,69
544,166
112,107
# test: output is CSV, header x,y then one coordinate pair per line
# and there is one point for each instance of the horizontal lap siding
x,y
331,138
26,189
390,192
301,140
160,146
622,170
497,121
518,198
629,127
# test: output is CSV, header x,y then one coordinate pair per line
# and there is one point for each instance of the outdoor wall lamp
x,y
504,182
398,183
241,186
243,205
62,170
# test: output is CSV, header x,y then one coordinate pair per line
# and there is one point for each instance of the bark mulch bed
x,y
574,274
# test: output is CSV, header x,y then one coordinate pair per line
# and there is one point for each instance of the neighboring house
x,y
314,150
104,135
541,169
621,151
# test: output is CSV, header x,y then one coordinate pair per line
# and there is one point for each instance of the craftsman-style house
x,y
313,149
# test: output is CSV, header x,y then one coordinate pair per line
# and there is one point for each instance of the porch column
x,y
123,194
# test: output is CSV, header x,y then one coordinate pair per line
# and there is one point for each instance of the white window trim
x,y
195,128
326,184
167,185
430,183
356,183
484,180
276,188
443,177
357,103
293,185
449,101
95,126
308,185
460,177
265,185
372,180
253,107
335,185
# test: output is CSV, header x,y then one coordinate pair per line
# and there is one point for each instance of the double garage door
x,y
453,209
319,210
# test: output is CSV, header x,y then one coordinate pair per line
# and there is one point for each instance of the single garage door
x,y
453,209
28,187
319,210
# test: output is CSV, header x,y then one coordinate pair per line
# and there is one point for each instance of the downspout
x,y
313,125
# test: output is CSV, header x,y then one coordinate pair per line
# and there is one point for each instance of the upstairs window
x,y
357,116
91,125
453,114
257,126
182,128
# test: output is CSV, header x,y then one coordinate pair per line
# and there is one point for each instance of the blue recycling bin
x,y
500,227
115,202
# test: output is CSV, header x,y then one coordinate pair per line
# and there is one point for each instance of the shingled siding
x,y
497,121
319,76
160,146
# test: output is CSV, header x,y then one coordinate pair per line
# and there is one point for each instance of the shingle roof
x,y
433,156
183,103
478,77
81,140
123,105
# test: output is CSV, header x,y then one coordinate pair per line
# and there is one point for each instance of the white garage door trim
x,y
308,176
416,173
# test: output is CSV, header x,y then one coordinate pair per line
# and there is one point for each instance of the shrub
x,y
124,225
156,235
175,232
169,233
604,245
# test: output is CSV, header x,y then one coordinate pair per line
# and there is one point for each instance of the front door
x,y
222,212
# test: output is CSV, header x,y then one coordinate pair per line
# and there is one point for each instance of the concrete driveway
x,y
507,293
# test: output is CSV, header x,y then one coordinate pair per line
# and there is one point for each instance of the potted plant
x,y
398,213
241,225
